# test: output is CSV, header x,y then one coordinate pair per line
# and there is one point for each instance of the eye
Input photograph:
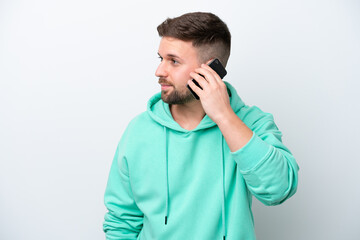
x,y
160,58
174,61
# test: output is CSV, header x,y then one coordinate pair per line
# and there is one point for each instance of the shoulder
x,y
141,118
141,127
255,118
139,122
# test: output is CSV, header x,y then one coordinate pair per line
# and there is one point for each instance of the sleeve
x,y
268,167
124,219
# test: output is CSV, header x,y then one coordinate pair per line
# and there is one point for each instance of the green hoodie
x,y
168,183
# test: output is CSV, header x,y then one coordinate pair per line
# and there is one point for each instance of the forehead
x,y
174,46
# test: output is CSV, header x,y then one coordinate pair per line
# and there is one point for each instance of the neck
x,y
188,115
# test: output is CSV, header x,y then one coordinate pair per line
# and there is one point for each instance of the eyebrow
x,y
170,55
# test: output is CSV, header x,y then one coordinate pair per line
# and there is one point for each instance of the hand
x,y
213,96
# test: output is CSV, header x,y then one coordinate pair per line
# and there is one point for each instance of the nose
x,y
161,70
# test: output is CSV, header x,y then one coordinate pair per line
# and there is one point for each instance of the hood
x,y
159,111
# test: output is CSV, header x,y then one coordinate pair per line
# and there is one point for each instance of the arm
x,y
268,167
215,102
123,219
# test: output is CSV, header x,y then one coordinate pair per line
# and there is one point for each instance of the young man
x,y
187,168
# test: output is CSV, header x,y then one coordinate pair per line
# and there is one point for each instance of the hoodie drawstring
x,y
223,185
222,181
167,177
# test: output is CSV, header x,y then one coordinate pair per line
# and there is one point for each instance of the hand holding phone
x,y
217,67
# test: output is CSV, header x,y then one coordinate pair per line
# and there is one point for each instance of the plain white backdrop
x,y
74,73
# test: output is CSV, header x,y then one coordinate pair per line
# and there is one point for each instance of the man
x,y
187,168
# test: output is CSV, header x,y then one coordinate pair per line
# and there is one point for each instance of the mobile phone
x,y
217,67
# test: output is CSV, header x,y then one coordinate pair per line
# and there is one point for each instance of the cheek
x,y
185,75
181,77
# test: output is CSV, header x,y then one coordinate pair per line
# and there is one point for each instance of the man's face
x,y
178,59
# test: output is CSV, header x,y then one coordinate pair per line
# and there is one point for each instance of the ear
x,y
209,61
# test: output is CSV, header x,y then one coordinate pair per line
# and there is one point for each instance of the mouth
x,y
165,86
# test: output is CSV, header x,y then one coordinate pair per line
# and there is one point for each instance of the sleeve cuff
x,y
254,152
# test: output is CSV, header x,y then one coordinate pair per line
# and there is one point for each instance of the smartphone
x,y
217,67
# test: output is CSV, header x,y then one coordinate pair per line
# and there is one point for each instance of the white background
x,y
74,73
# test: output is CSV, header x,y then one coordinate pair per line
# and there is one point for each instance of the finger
x,y
200,79
195,88
210,75
207,67
218,79
213,79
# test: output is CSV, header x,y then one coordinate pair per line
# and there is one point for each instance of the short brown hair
x,y
207,32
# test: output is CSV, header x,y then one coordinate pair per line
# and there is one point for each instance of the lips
x,y
164,84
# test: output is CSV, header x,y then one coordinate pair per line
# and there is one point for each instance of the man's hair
x,y
207,32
